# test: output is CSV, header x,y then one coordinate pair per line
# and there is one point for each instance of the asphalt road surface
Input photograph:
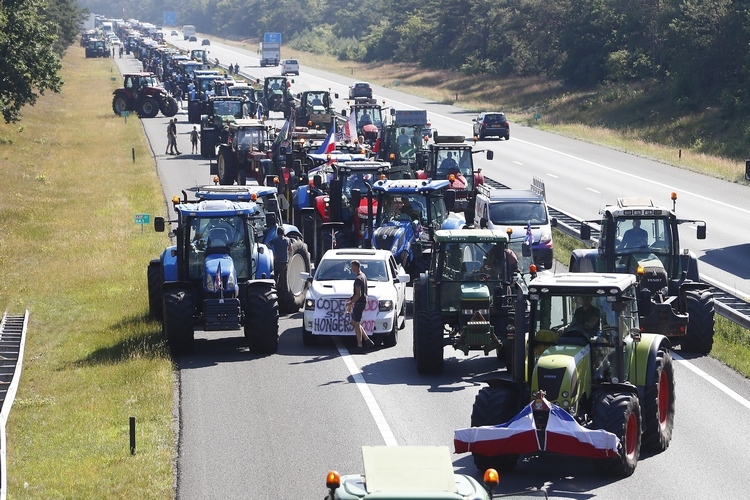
x,y
272,426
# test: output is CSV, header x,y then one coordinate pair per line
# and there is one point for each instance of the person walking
x,y
356,304
194,135
174,136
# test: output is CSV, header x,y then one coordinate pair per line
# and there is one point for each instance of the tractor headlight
x,y
385,305
231,283
309,305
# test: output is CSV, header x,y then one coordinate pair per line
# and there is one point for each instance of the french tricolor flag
x,y
330,143
519,436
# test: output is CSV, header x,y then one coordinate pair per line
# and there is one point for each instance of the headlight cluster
x,y
211,284
545,237
309,305
385,305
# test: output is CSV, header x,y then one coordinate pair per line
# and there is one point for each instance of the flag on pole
x,y
529,237
349,130
283,134
330,143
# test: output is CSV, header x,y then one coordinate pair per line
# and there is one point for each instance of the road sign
x,y
143,219
169,18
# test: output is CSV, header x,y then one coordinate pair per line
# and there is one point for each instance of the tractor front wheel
x,y
292,289
177,324
700,331
620,414
168,106
493,406
659,405
428,344
262,318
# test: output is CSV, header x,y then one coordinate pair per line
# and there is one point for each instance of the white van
x,y
290,67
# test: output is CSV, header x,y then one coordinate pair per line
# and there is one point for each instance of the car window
x,y
339,269
494,119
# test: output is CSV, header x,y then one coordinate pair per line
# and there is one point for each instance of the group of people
x,y
172,148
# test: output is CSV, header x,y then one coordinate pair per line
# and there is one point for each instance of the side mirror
x,y
490,154
336,95
270,219
585,231
645,305
553,222
317,181
450,199
393,111
403,278
701,231
159,224
483,223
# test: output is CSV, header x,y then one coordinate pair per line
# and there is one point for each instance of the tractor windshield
x,y
455,161
405,206
251,138
227,235
471,262
229,108
408,140
368,116
638,240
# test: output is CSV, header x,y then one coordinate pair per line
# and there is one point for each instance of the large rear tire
x,y
153,275
177,325
225,167
169,106
149,108
292,288
700,331
620,414
428,342
659,405
493,406
119,104
262,318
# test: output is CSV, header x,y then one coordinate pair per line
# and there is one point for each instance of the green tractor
x,y
463,299
586,381
638,237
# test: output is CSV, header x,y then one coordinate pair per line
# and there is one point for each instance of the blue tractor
x,y
291,288
408,211
217,276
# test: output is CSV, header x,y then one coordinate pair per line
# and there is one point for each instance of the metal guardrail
x,y
728,303
12,342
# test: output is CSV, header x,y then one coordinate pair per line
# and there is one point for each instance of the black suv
x,y
491,123
360,89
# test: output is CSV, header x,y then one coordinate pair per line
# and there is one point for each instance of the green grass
x,y
71,254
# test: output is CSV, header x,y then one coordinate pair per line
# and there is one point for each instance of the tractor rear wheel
x,y
659,405
700,331
168,106
493,406
292,289
120,104
148,108
177,324
262,318
428,344
225,167
620,414
153,275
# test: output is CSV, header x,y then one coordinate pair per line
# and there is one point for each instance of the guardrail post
x,y
132,435
747,170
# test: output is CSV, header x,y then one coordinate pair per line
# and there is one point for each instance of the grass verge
x,y
72,254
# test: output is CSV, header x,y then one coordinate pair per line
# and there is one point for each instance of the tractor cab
x,y
369,119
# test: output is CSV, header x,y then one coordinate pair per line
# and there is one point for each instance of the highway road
x,y
272,426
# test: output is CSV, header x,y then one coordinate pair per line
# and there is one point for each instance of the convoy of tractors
x,y
587,351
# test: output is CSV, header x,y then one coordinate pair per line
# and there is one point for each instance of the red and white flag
x,y
349,129
519,436
330,143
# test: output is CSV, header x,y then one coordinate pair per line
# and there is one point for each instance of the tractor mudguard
x,y
168,286
453,223
291,231
169,263
644,358
263,262
583,261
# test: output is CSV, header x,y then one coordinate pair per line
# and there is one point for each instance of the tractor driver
x,y
449,164
403,139
635,237
586,317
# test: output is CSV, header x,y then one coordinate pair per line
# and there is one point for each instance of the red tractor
x,y
142,94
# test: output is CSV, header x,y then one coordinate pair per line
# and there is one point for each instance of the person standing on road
x,y
194,139
282,250
174,136
121,51
356,304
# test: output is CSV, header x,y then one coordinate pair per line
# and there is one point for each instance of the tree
x,y
30,64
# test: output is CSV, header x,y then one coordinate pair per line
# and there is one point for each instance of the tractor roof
x,y
634,207
449,140
216,208
410,185
471,236
583,283
247,123
235,193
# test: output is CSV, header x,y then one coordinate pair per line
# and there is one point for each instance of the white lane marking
x,y
517,162
593,190
552,175
711,380
364,389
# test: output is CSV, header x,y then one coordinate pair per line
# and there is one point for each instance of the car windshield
x,y
340,269
518,213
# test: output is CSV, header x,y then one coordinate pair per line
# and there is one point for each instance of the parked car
x,y
325,303
290,67
205,41
491,124
193,38
360,89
